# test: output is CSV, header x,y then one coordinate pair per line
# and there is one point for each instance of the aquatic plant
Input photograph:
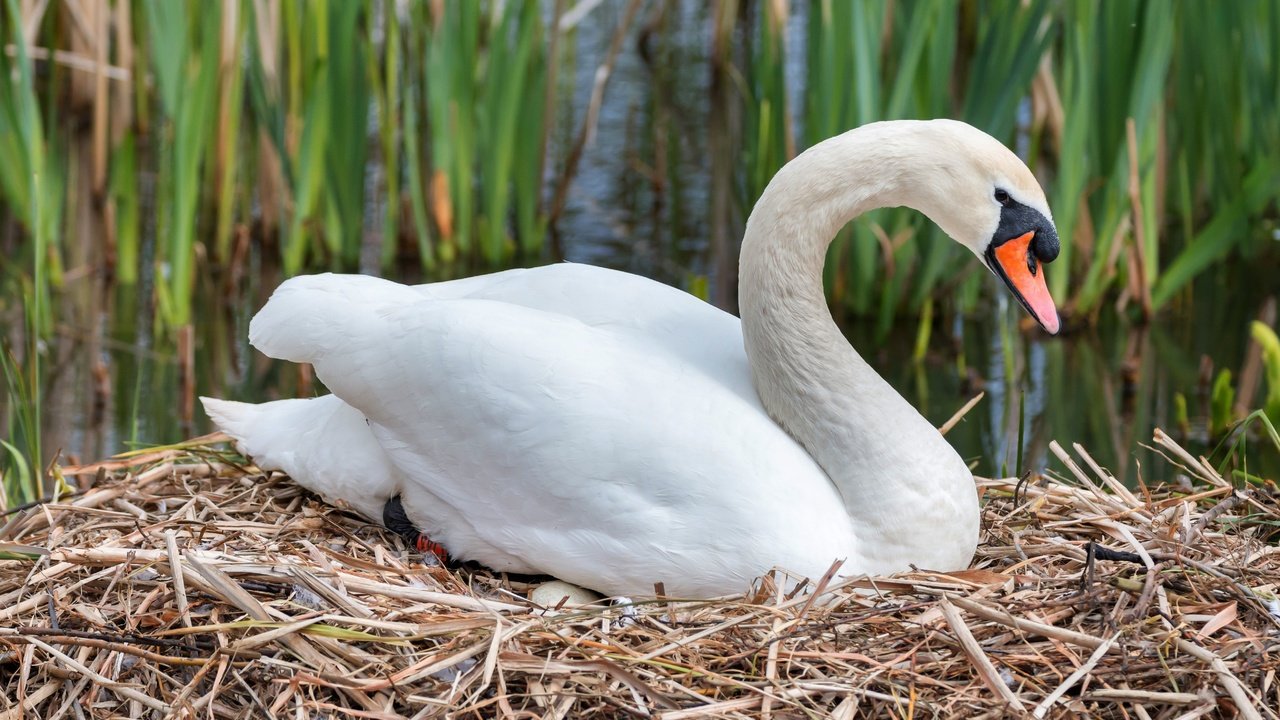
x,y
264,118
19,482
29,182
1269,344
1221,402
184,57
222,138
1151,178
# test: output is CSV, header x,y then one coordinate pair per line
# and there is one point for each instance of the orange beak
x,y
1021,270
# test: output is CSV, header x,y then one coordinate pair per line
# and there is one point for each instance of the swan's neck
x,y
893,469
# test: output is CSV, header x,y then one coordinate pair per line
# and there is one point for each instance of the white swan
x,y
613,432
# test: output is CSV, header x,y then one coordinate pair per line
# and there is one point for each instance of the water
x,y
642,202
1105,387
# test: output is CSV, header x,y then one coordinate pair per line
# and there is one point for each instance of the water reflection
x,y
110,387
1105,387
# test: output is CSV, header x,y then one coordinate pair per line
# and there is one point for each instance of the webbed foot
x,y
395,520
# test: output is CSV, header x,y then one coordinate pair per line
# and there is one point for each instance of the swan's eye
x,y
1002,197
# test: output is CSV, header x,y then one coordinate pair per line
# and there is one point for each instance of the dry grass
x,y
183,583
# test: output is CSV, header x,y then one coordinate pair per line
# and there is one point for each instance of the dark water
x,y
1105,386
642,202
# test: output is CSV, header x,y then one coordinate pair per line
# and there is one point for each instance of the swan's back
x,y
662,317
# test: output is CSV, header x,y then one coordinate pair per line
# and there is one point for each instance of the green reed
x,y
509,121
226,152
1151,123
1157,163
768,136
1269,344
28,180
1225,141
184,56
387,92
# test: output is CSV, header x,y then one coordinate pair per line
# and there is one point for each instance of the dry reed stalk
x,y
121,91
187,582
100,14
72,60
272,190
777,15
959,414
587,131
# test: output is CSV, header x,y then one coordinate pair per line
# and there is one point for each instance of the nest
x,y
185,582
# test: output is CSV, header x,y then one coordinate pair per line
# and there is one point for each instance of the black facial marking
x,y
1016,220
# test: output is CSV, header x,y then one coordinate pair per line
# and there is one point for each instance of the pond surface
x,y
110,388
642,202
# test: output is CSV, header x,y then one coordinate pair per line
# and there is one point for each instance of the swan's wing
x,y
330,448
670,319
323,443
661,317
576,448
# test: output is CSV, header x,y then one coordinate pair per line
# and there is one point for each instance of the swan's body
x,y
614,432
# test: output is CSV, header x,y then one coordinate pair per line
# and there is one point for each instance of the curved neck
x,y
882,455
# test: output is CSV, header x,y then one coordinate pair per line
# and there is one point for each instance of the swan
x,y
614,432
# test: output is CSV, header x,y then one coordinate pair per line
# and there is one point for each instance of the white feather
x,y
607,429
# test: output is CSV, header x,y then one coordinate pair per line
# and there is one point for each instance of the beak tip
x,y
1052,324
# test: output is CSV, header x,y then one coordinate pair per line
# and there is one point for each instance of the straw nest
x,y
184,582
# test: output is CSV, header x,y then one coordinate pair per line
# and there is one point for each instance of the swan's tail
x,y
236,419
322,443
275,433
310,316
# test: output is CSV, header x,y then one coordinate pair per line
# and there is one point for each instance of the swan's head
x,y
963,179
986,199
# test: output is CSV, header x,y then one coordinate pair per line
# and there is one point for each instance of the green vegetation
x,y
1238,435
1269,345
1221,402
270,116
342,135
1157,163
1225,413
257,115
